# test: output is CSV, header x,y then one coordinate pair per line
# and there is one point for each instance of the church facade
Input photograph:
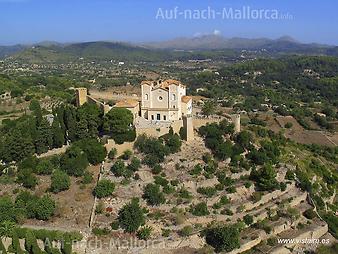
x,y
165,100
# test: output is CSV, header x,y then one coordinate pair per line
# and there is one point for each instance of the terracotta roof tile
x,y
186,99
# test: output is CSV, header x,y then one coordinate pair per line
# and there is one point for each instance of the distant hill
x,y
202,47
6,51
282,44
106,51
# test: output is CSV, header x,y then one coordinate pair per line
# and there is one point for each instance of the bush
x,y
207,191
87,177
126,154
223,238
104,188
200,209
100,231
44,167
196,170
248,219
112,153
95,151
135,164
310,214
131,216
186,231
153,195
43,208
144,233
156,169
27,178
60,181
74,161
118,168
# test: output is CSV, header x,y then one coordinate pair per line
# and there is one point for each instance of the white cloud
x,y
217,32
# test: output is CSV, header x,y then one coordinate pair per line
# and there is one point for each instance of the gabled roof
x,y
163,84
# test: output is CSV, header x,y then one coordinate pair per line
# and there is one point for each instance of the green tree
x,y
153,194
27,178
119,122
135,164
57,134
74,161
248,219
104,188
266,179
200,209
131,216
17,146
95,151
60,181
118,168
44,167
209,108
223,238
44,138
44,208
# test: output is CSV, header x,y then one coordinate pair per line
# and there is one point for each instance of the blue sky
x,y
30,21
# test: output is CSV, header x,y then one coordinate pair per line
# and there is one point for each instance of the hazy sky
x,y
29,21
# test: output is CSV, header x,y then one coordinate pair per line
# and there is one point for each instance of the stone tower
x,y
188,128
236,119
81,96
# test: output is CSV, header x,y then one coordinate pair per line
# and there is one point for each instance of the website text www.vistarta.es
x,y
303,241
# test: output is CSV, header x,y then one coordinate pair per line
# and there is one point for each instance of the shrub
x,y
104,188
118,168
310,214
100,231
44,167
27,178
134,164
153,195
156,169
60,181
144,233
94,150
87,177
186,231
207,191
126,154
74,161
223,238
248,219
196,170
131,216
112,153
200,209
43,208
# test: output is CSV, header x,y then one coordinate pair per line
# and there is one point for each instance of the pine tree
x,y
57,133
44,139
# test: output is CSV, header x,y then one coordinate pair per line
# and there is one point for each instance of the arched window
x,y
173,96
146,97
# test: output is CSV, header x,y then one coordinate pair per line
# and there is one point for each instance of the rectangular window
x,y
158,117
165,118
152,117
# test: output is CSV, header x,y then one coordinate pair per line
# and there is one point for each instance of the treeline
x,y
284,82
36,84
38,133
31,246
